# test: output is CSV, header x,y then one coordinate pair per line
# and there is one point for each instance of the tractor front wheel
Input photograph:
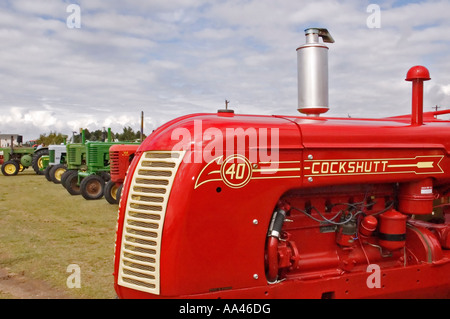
x,y
71,183
111,192
119,193
56,173
65,175
10,168
92,187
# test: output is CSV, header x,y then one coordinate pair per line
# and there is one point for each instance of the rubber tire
x,y
92,187
119,193
6,171
65,175
56,173
47,173
36,161
71,183
110,192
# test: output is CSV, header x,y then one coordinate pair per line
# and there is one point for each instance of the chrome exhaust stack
x,y
312,65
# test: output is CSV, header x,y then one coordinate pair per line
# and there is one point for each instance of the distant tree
x,y
97,135
51,139
128,134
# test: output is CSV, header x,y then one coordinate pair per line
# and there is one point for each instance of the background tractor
x,y
57,163
15,159
92,181
88,166
120,157
76,160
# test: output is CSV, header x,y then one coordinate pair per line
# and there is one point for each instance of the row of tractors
x,y
93,169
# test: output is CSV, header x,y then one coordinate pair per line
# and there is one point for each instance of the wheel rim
x,y
93,188
58,173
10,169
40,163
114,191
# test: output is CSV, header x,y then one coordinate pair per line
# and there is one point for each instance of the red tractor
x,y
244,206
120,157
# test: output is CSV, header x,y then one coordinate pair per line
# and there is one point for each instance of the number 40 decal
x,y
236,171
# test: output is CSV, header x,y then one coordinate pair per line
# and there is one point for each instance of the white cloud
x,y
170,58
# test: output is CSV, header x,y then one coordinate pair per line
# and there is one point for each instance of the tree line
x,y
128,134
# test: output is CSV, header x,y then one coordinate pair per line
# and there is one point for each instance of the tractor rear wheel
x,y
111,192
37,163
10,168
56,173
71,183
92,187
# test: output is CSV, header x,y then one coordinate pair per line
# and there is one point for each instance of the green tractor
x,y
75,161
93,180
89,181
16,159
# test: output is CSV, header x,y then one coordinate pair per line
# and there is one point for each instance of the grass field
x,y
44,229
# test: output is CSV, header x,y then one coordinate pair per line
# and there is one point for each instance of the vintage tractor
x,y
17,159
236,206
120,157
89,179
57,163
76,160
92,181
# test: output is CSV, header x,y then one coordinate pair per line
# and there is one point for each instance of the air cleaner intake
x,y
312,60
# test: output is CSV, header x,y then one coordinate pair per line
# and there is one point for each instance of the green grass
x,y
44,229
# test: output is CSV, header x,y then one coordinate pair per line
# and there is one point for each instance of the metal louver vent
x,y
114,162
144,218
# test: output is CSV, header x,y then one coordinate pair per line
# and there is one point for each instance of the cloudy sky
x,y
170,58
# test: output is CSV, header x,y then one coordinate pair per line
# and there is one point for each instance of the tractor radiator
x,y
144,218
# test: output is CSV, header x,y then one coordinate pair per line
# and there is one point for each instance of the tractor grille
x,y
114,163
72,154
144,218
92,158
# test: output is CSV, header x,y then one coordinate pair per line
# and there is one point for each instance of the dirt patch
x,y
18,286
